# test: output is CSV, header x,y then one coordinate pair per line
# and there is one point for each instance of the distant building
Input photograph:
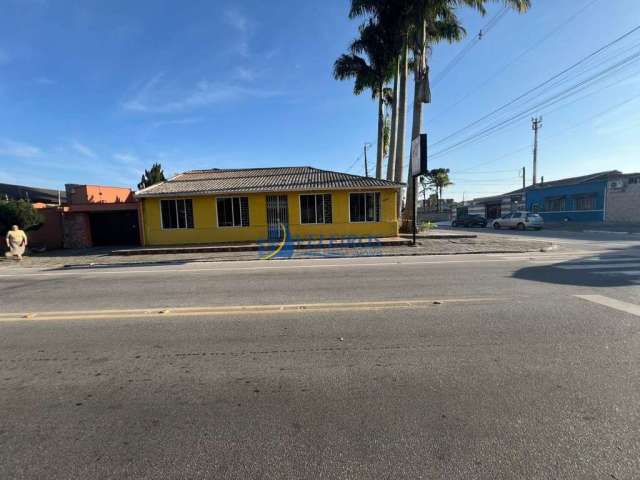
x,y
609,196
496,206
32,194
80,216
623,199
576,199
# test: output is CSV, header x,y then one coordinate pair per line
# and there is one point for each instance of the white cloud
x,y
245,73
83,149
156,97
10,148
126,158
178,121
236,20
241,24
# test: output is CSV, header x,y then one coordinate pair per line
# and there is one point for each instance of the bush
x,y
21,213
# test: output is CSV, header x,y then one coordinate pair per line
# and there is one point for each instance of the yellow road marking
x,y
230,310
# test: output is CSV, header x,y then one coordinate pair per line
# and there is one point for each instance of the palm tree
x,y
390,17
371,73
425,186
438,179
435,20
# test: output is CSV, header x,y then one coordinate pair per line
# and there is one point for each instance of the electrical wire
x,y
549,101
502,69
558,134
539,86
467,48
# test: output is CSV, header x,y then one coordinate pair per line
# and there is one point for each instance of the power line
x,y
528,146
354,163
467,48
547,141
549,101
539,86
533,46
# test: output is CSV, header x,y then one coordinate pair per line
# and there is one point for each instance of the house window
x,y
177,213
233,211
364,207
315,208
586,203
634,180
554,204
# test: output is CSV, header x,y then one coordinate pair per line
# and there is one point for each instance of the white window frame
x,y
176,200
316,209
365,207
232,211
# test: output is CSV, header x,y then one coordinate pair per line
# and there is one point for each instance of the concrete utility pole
x,y
366,165
536,124
524,179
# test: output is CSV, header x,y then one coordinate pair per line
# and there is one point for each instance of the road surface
x,y
477,366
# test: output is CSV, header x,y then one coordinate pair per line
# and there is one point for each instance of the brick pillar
x,y
77,230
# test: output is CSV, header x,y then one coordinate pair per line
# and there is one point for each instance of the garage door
x,y
115,228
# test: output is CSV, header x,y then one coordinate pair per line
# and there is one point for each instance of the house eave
x,y
210,193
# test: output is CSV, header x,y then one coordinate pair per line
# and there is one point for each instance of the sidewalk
x,y
599,227
427,245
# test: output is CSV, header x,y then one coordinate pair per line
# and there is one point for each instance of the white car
x,y
519,220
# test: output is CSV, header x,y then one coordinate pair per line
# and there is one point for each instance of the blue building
x,y
578,199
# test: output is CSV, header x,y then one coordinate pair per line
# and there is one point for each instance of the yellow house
x,y
248,205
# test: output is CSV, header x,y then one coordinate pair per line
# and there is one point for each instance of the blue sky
x,y
94,91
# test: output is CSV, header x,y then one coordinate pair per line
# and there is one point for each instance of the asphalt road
x,y
478,366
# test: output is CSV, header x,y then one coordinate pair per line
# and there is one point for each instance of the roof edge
x,y
394,186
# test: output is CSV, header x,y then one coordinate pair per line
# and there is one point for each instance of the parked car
x,y
519,220
469,221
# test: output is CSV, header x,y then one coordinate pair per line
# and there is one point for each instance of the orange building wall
x,y
50,233
85,194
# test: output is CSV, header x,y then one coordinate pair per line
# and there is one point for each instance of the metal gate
x,y
277,215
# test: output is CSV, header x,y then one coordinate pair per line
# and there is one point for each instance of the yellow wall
x,y
207,231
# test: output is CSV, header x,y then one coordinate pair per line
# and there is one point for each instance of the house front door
x,y
277,216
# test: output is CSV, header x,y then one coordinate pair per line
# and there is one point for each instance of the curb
x,y
254,247
88,266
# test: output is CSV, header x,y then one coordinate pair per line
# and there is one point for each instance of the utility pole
x,y
524,186
536,124
366,165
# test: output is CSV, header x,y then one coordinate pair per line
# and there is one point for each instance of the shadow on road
x,y
608,270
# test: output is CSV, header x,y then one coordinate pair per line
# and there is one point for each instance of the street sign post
x,y
418,168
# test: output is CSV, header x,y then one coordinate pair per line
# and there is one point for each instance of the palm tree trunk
x,y
416,128
394,125
402,115
380,152
420,79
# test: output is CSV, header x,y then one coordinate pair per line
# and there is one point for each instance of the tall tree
x,y
151,177
435,21
392,17
438,179
369,64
